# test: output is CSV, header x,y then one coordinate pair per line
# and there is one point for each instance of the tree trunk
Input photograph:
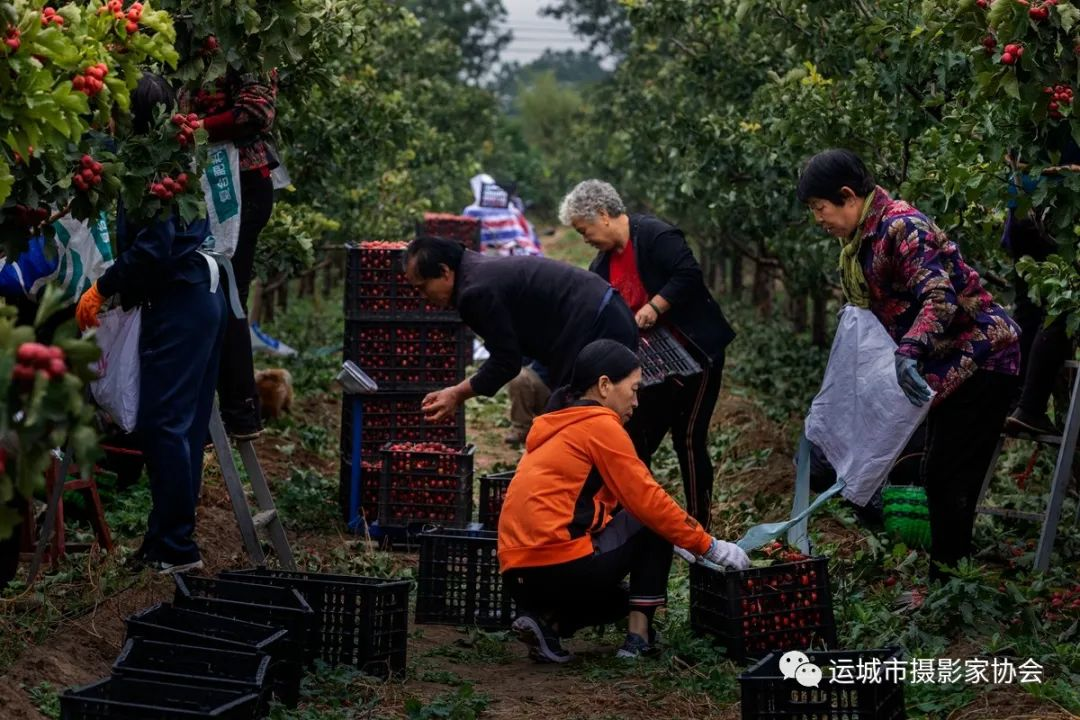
x,y
761,294
817,324
255,305
736,284
798,307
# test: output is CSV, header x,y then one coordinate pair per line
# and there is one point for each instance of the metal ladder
x,y
266,516
1059,486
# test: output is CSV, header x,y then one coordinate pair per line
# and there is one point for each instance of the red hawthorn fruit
x,y
131,27
1007,59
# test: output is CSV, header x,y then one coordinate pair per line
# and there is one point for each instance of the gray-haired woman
x,y
649,262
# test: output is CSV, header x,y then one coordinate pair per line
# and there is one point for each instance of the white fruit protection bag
x,y
117,388
221,186
861,419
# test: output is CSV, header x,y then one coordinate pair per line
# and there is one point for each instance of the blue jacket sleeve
x,y
17,278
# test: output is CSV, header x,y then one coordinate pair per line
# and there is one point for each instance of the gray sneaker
x,y
166,568
634,647
543,642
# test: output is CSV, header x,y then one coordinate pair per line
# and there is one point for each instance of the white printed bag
x,y
117,388
85,254
221,186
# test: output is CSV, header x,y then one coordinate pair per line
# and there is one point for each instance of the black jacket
x,y
667,267
526,307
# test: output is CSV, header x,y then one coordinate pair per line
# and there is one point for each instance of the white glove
x,y
727,554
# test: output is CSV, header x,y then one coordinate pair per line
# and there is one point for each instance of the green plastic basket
x,y
907,516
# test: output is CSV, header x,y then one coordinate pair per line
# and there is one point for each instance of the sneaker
x,y
1025,423
261,342
634,647
543,642
166,568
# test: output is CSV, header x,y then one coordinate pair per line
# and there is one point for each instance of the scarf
x,y
852,278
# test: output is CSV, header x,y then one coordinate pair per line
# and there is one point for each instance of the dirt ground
x,y
84,647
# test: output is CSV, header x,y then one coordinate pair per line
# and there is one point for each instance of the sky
x,y
533,33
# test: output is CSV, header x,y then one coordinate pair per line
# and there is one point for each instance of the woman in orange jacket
x,y
583,512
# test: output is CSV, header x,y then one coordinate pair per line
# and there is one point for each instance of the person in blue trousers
x,y
160,269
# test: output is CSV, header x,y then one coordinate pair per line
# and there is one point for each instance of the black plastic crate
x,y
458,580
193,665
426,487
375,285
464,229
397,417
408,355
662,356
493,489
787,606
766,695
279,607
166,623
359,621
130,699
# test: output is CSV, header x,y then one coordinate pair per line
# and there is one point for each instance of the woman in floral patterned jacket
x,y
952,337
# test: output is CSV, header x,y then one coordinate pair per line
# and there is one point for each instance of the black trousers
x,y
236,381
1049,350
590,591
683,406
961,434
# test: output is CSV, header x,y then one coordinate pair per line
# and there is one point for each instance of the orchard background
x,y
698,110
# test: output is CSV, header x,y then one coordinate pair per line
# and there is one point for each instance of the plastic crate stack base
x,y
168,624
493,489
122,698
359,621
464,229
767,695
370,478
459,582
787,606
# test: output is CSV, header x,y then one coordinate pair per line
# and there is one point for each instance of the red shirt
x,y
625,278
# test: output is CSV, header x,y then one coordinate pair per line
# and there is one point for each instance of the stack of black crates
x,y
410,348
227,646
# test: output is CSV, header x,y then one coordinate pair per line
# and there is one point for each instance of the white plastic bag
x,y
117,389
221,186
861,419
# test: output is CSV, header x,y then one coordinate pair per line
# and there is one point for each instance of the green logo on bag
x,y
222,191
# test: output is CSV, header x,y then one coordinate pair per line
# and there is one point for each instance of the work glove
x,y
727,554
911,382
89,306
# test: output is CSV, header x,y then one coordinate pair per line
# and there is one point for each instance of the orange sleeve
x,y
633,485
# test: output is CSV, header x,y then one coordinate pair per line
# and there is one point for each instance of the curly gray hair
x,y
588,199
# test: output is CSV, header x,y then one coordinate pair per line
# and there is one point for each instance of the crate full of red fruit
x,y
784,605
426,484
397,417
376,287
464,229
403,356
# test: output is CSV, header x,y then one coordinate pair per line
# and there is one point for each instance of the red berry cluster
x,y
131,17
782,606
426,482
984,3
408,353
1041,12
210,45
92,79
186,124
776,551
30,217
32,358
167,188
1064,603
49,17
210,102
1059,95
88,174
990,43
1012,53
13,40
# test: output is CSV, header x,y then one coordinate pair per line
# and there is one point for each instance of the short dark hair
x,y
827,172
151,92
431,253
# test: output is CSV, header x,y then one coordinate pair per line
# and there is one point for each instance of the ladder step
x,y
1013,514
264,518
1044,439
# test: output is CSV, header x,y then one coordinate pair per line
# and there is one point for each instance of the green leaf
x,y
7,181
